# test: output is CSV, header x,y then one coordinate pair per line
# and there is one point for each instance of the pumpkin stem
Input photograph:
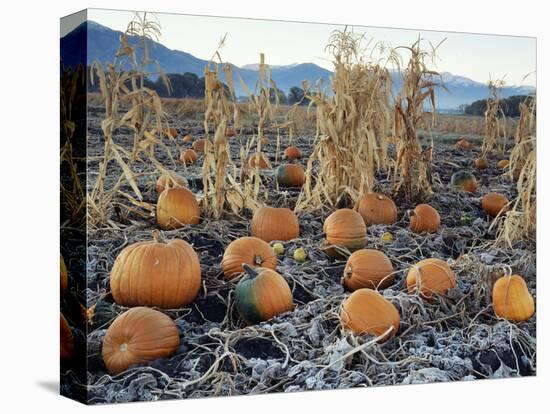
x,y
258,260
158,236
380,197
252,272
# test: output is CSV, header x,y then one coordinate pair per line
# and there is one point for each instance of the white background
x,y
30,200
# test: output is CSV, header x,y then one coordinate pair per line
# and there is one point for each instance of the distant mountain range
x,y
103,44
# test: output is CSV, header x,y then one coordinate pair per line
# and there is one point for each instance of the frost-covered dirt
x,y
455,338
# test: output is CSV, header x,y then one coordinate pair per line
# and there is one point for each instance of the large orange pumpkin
x,y
430,277
199,145
177,207
377,208
345,228
367,311
424,218
512,300
367,268
66,343
250,250
64,276
290,175
270,223
156,273
138,336
494,203
292,153
260,161
262,294
188,157
170,180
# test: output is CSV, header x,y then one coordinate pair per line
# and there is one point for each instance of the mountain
x,y
103,44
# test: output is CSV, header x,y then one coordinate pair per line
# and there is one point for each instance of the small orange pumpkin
x,y
494,203
345,228
230,132
188,138
424,218
172,132
170,181
270,223
138,336
512,300
188,157
366,311
290,175
464,144
430,277
156,273
199,145
260,161
368,268
262,294
481,163
250,250
66,343
377,208
177,207
64,276
292,153
502,164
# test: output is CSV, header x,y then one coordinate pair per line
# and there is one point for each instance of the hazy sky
x,y
471,55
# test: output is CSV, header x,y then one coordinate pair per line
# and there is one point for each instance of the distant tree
x,y
279,94
510,106
296,94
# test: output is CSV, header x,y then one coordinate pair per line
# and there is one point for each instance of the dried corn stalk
x,y
129,104
222,191
412,174
526,129
495,121
354,123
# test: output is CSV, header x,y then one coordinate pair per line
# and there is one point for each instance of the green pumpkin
x,y
101,313
290,175
465,181
262,294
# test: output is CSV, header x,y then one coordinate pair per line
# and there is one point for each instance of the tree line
x,y
189,85
509,106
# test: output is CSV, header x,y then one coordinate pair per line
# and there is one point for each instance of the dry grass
x,y
495,125
353,124
412,173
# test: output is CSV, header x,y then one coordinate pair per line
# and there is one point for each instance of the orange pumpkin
x,y
512,300
188,138
262,294
260,161
230,132
156,273
368,268
424,218
430,277
464,144
270,223
290,175
66,343
377,208
250,250
199,145
64,276
292,153
172,132
345,228
138,336
462,180
502,164
188,157
170,181
481,163
177,207
494,203
366,311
